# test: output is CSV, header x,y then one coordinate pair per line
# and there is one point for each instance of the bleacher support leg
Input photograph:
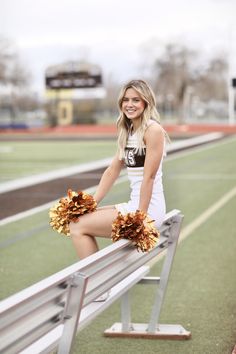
x,y
154,330
72,313
125,312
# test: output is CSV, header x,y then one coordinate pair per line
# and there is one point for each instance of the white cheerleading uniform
x,y
134,162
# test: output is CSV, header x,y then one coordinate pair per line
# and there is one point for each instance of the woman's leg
x,y
89,226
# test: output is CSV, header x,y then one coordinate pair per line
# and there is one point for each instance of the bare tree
x,y
13,77
12,71
6,56
173,74
211,82
177,74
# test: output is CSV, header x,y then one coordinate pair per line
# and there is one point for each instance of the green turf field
x,y
23,158
202,288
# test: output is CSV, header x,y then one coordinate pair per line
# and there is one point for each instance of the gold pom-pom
x,y
70,209
138,228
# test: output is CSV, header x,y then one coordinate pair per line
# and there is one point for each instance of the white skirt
x,y
156,210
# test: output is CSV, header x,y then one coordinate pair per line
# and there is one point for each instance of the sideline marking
x,y
51,175
197,176
196,149
5,149
23,235
190,228
207,214
43,207
193,142
48,205
68,171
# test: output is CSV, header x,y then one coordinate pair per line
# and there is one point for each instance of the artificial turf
x,y
201,291
23,158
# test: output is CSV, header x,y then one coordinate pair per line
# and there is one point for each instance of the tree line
x,y
175,74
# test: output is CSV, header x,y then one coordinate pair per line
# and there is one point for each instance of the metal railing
x,y
48,314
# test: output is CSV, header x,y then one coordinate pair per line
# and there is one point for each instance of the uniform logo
x,y
130,157
133,159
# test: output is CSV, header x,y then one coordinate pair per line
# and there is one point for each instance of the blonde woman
x,y
141,141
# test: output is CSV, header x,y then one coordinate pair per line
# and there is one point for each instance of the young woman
x,y
141,141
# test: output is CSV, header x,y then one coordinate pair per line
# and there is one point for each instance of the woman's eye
x,y
132,99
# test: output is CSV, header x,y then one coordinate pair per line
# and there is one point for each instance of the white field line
x,y
30,212
43,207
51,175
207,214
188,143
211,145
200,220
207,176
68,171
5,149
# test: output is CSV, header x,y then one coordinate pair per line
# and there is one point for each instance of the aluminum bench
x,y
47,315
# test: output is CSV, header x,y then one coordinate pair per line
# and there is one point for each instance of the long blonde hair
x,y
150,112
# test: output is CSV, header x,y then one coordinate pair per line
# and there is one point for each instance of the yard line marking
x,y
51,175
5,149
196,149
43,207
208,176
200,220
67,171
48,205
195,141
188,230
207,214
23,235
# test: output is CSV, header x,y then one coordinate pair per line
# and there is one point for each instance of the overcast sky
x,y
114,33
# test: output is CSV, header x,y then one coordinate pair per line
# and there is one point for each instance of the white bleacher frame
x,y
48,315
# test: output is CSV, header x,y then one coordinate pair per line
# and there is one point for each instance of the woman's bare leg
x,y
89,226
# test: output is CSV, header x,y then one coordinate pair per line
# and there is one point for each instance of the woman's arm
x,y
108,178
154,141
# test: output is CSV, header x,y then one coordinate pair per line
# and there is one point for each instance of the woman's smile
x,y
132,105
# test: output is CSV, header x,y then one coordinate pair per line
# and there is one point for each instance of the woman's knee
x,y
75,229
78,228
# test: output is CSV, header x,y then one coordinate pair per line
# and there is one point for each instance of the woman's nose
x,y
129,103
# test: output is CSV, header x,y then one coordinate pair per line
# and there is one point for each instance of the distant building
x,y
74,91
19,108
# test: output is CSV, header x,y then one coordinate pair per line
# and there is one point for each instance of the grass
x,y
23,158
30,250
201,291
200,296
196,180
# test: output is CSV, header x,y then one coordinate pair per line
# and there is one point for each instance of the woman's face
x,y
132,104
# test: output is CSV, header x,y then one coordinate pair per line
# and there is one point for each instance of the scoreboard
x,y
73,75
74,90
73,79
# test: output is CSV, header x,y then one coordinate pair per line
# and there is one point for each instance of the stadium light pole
x,y
231,104
231,81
